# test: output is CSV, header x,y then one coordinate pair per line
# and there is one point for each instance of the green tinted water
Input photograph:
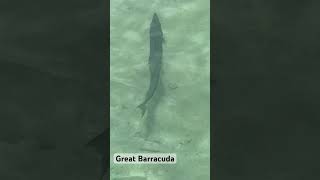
x,y
180,117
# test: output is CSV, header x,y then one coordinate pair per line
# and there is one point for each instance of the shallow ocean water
x,y
180,117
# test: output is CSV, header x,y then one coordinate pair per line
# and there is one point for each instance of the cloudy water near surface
x,y
178,116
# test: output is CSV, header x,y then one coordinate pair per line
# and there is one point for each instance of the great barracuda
x,y
155,58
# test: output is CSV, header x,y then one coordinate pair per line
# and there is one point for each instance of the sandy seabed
x,y
181,118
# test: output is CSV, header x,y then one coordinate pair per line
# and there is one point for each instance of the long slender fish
x,y
155,58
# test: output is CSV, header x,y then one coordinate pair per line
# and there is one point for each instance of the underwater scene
x,y
160,87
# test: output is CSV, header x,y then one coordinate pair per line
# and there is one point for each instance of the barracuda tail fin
x,y
143,108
